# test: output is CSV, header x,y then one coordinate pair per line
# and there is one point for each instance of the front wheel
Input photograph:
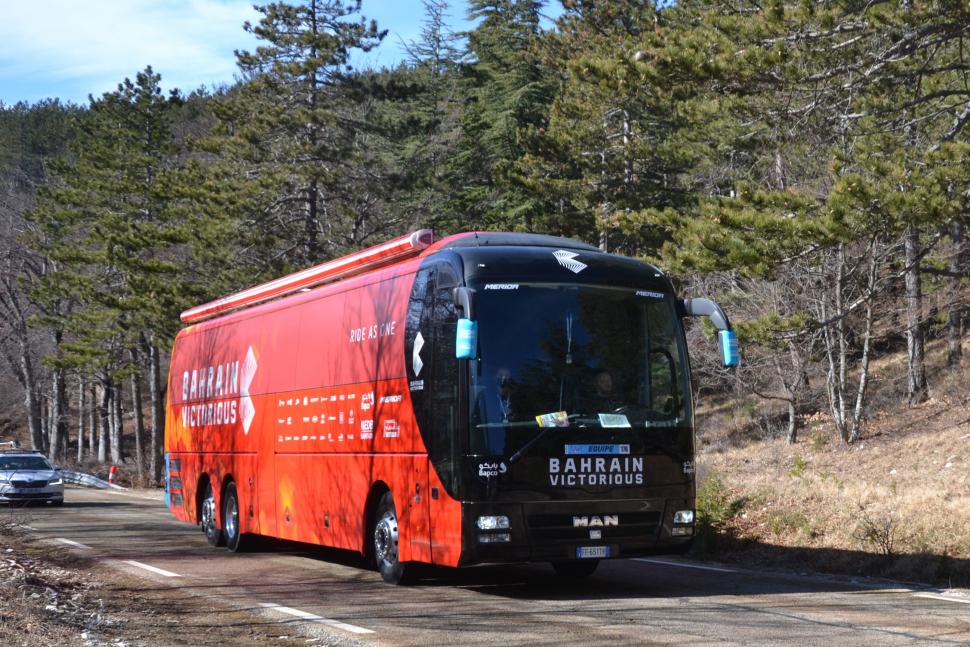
x,y
235,540
385,540
575,569
213,533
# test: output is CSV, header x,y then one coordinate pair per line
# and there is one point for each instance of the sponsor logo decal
x,y
385,399
366,429
572,472
487,470
568,260
501,286
650,293
366,401
391,429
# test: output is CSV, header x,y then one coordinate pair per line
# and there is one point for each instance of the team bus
x,y
489,397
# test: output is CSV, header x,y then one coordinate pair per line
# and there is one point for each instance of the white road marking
x,y
945,598
153,569
664,562
71,542
315,618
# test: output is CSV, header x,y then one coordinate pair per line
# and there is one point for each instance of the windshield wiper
x,y
514,458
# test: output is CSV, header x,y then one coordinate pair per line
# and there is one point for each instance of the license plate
x,y
592,552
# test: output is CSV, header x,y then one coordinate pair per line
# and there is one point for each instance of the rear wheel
x,y
575,569
385,542
209,526
230,520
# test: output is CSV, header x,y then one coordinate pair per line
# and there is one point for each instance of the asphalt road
x,y
330,594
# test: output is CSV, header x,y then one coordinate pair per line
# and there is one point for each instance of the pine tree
x,y
287,141
111,230
507,92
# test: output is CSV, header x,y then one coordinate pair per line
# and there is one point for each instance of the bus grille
x,y
558,527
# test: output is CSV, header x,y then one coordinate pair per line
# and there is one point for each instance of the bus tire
x,y
384,541
235,540
213,533
575,569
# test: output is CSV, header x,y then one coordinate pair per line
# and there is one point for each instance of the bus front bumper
x,y
495,532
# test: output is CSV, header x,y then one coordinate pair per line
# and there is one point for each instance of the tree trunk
x,y
955,313
104,409
117,429
157,402
58,417
31,400
855,428
917,389
80,418
139,422
93,421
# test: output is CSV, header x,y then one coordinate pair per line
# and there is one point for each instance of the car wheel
x,y
575,569
235,540
212,531
385,541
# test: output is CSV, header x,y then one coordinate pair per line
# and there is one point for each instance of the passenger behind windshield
x,y
584,350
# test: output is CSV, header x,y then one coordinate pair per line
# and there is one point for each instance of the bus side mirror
x,y
466,334
727,339
466,339
730,353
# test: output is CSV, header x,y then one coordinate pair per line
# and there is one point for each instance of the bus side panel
x,y
322,496
445,520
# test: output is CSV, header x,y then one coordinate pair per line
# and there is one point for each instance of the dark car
x,y
27,476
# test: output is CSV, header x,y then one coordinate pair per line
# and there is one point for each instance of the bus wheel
x,y
212,532
385,543
235,541
575,569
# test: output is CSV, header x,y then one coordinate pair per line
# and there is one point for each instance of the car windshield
x,y
607,357
8,463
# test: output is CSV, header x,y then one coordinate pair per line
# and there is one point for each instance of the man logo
x,y
568,260
596,521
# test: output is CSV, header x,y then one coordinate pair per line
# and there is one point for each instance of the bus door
x,y
433,316
443,400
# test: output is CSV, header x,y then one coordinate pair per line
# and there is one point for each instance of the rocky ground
x,y
48,597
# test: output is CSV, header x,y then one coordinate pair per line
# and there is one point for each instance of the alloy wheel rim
x,y
385,539
232,517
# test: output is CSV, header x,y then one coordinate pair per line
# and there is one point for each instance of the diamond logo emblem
x,y
416,363
247,410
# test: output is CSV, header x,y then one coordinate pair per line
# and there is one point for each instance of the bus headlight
x,y
492,522
684,516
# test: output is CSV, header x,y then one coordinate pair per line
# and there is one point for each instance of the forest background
x,y
806,163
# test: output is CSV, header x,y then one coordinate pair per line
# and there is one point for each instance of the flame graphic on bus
x,y
247,409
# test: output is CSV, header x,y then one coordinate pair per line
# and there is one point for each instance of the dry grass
x,y
895,504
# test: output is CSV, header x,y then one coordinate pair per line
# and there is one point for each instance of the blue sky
x,y
71,48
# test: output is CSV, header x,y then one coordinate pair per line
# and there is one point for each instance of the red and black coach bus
x,y
490,397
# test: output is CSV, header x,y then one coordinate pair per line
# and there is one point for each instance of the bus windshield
x,y
582,356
